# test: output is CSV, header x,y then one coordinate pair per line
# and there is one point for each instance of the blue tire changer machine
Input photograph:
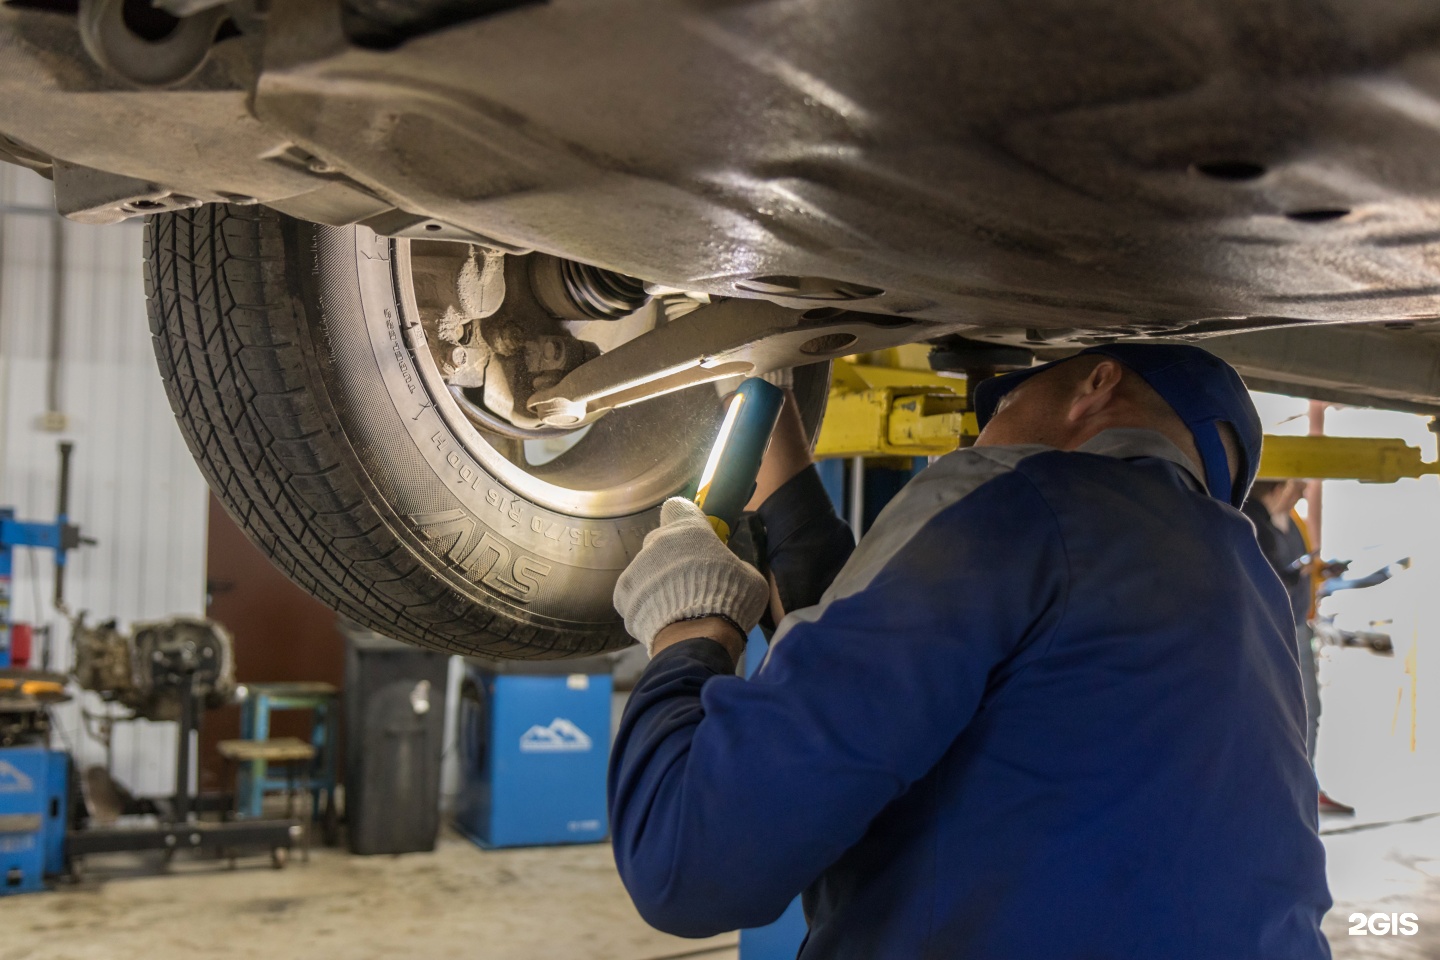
x,y
34,780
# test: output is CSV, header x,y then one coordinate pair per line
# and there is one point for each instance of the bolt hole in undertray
x,y
1239,171
1319,215
827,344
1233,170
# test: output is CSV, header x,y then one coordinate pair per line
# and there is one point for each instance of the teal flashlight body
x,y
728,480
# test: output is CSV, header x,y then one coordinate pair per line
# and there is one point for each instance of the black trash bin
x,y
394,732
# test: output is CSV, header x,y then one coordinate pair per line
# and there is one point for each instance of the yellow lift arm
x,y
880,410
877,411
1379,460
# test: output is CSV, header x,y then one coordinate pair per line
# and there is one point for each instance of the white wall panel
x,y
134,487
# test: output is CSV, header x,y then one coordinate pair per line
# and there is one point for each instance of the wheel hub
x,y
483,336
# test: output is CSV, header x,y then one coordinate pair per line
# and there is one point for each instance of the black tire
x,y
283,361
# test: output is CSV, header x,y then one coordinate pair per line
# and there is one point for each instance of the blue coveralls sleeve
x,y
728,796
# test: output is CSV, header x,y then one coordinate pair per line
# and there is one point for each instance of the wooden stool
x,y
285,751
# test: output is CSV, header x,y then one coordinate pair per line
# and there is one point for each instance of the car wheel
x,y
309,393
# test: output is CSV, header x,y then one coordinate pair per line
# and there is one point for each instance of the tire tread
x,y
228,339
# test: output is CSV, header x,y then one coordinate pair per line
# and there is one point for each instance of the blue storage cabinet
x,y
534,751
32,817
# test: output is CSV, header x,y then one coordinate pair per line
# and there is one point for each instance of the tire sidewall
x,y
495,549
491,545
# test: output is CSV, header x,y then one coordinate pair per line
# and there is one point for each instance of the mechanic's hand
x,y
683,571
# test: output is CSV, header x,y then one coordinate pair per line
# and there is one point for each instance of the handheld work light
x,y
728,479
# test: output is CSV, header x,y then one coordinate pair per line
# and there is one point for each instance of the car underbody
x,y
879,172
446,294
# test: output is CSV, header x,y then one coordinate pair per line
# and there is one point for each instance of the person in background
x,y
1286,545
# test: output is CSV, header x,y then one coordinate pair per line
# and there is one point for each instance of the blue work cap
x,y
1200,387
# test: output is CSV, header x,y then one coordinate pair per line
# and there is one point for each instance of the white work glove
x,y
682,572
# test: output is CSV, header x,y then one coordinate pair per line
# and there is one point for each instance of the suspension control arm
x,y
727,339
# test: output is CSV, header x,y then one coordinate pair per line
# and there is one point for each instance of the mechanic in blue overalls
x,y
1050,707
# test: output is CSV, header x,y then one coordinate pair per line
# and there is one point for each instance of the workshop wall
x,y
280,631
134,486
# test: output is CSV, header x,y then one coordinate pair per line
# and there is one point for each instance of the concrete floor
x,y
459,902
563,903
568,904
1393,868
1378,755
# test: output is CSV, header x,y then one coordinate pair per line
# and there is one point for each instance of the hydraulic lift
x,y
893,405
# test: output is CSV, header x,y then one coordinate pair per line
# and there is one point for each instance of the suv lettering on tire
x,y
486,559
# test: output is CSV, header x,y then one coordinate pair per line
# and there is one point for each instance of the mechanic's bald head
x,y
1067,405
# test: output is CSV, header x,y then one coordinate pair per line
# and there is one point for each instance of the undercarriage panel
x,y
1044,173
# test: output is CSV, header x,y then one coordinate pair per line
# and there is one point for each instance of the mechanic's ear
x,y
1097,391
